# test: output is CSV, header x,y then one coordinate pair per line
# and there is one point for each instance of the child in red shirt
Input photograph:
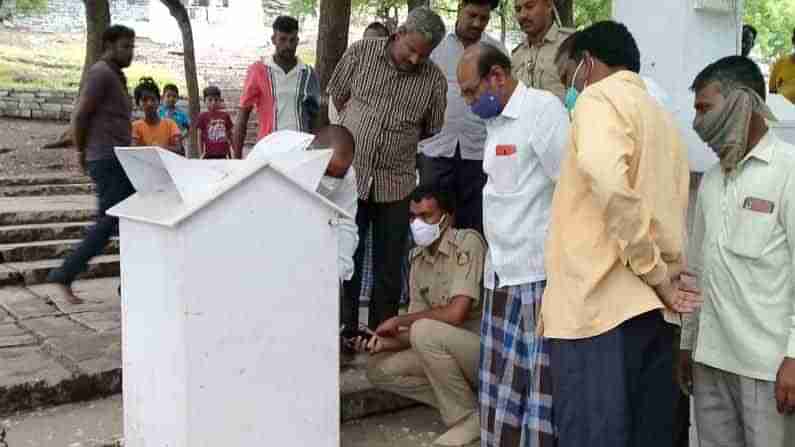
x,y
215,127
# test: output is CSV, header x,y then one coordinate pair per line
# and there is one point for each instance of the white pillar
x,y
676,42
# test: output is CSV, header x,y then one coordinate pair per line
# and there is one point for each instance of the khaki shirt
x,y
618,211
535,64
455,269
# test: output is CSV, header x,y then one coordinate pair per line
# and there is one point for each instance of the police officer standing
x,y
533,60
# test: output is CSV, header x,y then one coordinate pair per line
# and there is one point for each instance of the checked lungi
x,y
515,386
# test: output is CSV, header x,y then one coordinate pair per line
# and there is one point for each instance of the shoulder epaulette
x,y
461,235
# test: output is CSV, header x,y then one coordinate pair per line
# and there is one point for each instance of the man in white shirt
x,y
527,133
742,244
338,185
453,158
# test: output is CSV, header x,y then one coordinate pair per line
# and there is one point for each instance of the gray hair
x,y
426,22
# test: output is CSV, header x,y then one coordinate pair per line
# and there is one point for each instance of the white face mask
x,y
329,184
424,233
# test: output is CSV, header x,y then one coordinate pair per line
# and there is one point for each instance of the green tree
x,y
774,20
587,12
26,6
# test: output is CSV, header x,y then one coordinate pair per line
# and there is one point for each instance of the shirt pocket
x,y
749,232
505,172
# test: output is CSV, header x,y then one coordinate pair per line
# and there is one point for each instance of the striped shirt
x,y
387,111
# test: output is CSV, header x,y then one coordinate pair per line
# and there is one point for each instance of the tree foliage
x,y
27,6
774,20
587,12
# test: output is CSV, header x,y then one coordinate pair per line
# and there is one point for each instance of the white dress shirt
x,y
461,126
741,249
346,197
523,153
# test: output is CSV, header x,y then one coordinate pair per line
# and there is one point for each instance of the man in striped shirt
x,y
389,96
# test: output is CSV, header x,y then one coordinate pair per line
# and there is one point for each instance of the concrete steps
x,y
49,179
42,250
42,219
35,272
47,190
14,234
46,209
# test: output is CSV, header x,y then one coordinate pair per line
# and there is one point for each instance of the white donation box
x,y
230,302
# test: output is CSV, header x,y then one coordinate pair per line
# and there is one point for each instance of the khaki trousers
x,y
737,411
440,369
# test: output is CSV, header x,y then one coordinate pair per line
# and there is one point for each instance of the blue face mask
x,y
571,98
487,106
572,94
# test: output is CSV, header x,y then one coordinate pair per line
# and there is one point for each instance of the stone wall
x,y
33,104
68,16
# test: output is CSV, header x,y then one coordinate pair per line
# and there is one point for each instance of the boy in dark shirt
x,y
215,127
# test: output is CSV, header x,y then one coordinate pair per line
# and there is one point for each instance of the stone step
x,y
49,179
46,209
45,216
47,190
35,272
15,234
43,250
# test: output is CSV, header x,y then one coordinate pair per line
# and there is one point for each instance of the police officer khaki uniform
x,y
440,368
534,65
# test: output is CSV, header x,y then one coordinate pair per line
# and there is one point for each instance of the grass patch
x,y
58,67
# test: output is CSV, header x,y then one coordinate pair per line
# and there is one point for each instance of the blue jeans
x,y
112,187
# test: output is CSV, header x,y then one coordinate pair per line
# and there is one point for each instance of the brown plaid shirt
x,y
387,111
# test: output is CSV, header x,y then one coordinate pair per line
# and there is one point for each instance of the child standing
x,y
215,126
170,110
153,130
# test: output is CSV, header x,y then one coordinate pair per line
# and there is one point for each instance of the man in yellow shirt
x,y
782,77
742,250
613,252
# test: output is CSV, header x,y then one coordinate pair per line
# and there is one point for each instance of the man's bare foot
x,y
66,293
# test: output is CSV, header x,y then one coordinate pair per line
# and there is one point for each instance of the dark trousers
x,y
464,179
390,222
112,187
613,390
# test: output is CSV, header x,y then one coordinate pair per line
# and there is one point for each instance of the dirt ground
x,y
20,148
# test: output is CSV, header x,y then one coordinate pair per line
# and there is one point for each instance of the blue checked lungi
x,y
515,386
368,277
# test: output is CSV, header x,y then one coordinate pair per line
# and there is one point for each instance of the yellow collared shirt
x,y
618,212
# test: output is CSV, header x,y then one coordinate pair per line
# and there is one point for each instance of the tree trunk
x,y
417,3
566,12
179,13
332,41
504,4
97,21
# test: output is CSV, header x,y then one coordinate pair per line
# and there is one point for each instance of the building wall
x,y
69,15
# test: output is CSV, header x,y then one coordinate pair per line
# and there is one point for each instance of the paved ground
x,y
95,423
100,423
52,351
